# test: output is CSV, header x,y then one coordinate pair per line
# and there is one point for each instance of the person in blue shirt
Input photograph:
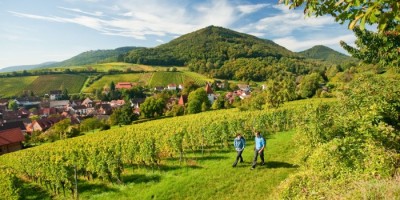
x,y
259,149
239,142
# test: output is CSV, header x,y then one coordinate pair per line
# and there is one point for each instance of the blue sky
x,y
33,32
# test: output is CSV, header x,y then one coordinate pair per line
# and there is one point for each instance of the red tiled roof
x,y
208,89
11,136
123,85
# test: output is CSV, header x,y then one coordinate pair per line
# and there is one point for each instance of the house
x,y
81,110
44,124
117,103
158,88
4,102
29,102
104,109
171,86
210,93
13,125
47,111
135,103
88,103
123,85
23,113
183,100
55,95
244,87
62,104
11,140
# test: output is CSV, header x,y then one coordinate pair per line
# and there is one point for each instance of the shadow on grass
x,y
30,191
84,186
140,178
277,164
202,158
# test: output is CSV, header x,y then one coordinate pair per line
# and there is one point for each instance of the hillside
x,y
94,56
26,67
212,44
214,50
324,53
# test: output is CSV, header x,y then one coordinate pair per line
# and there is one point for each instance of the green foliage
x,y
123,115
356,138
12,105
374,48
383,13
9,184
152,107
198,101
309,85
90,124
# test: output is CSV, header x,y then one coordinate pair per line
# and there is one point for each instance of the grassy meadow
x,y
15,86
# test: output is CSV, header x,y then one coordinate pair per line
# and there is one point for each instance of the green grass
x,y
210,176
43,84
141,78
14,86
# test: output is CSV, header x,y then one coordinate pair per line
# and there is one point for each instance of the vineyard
x,y
105,67
165,78
105,156
14,86
43,84
106,80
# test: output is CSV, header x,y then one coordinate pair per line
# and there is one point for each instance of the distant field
x,y
165,78
104,67
141,78
43,84
15,86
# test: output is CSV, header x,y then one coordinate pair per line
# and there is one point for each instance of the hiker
x,y
239,142
258,149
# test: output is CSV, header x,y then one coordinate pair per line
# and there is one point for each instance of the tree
x,y
12,105
219,103
152,106
309,85
90,124
123,115
198,101
374,48
64,94
189,86
383,13
61,128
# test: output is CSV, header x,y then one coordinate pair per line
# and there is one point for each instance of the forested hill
x,y
324,53
211,44
226,54
95,56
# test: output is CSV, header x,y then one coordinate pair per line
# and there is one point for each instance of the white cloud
x,y
248,9
286,22
97,13
160,41
294,44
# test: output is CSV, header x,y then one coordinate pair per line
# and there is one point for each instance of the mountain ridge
x,y
321,52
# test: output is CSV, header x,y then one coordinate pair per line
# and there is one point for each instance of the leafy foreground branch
x,y
351,150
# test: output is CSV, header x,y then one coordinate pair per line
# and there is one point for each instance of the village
x,y
23,116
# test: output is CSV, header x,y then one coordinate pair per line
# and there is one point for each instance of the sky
x,y
38,31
